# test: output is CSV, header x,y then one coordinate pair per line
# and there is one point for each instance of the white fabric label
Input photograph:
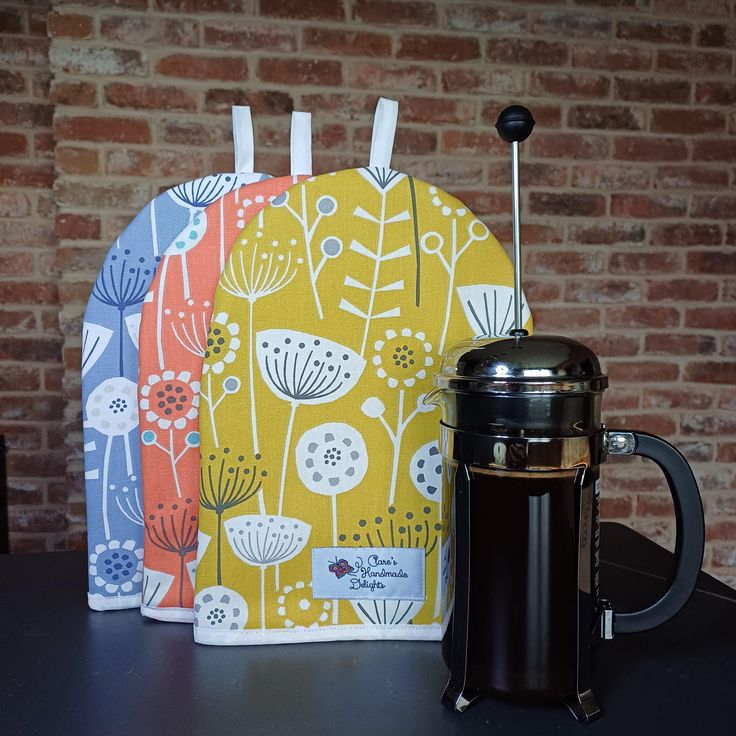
x,y
381,573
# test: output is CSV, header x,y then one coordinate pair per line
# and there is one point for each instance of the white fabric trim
x,y
384,130
301,143
243,139
113,603
173,615
428,632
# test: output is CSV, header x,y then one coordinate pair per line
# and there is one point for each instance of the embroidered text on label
x,y
368,572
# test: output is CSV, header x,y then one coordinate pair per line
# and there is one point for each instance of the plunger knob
x,y
515,123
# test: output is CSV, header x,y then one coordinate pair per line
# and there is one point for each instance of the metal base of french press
x,y
584,707
459,698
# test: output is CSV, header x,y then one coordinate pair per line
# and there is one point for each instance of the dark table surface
x,y
67,670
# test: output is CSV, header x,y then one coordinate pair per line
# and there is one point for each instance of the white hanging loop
x,y
384,130
243,139
301,143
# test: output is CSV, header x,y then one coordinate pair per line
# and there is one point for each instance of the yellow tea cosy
x,y
321,510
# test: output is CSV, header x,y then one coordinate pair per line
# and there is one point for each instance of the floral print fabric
x,y
110,333
342,297
178,332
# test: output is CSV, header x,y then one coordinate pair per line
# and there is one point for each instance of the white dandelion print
x,y
264,541
299,610
331,459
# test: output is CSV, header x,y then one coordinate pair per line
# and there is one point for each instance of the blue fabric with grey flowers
x,y
112,461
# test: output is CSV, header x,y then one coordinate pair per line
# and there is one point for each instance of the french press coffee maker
x,y
522,443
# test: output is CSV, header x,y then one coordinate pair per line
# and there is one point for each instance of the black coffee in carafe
x,y
522,442
526,647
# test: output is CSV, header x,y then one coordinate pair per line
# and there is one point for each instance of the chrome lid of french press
x,y
537,398
521,365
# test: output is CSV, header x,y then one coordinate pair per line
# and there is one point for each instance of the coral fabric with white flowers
x,y
173,393
320,497
112,468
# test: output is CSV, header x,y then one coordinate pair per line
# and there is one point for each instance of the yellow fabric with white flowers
x,y
329,320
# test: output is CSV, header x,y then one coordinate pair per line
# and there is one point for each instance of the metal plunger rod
x,y
518,326
514,125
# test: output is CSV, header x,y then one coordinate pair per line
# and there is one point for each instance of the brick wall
x,y
30,347
629,177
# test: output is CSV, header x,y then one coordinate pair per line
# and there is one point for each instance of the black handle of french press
x,y
515,123
690,530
